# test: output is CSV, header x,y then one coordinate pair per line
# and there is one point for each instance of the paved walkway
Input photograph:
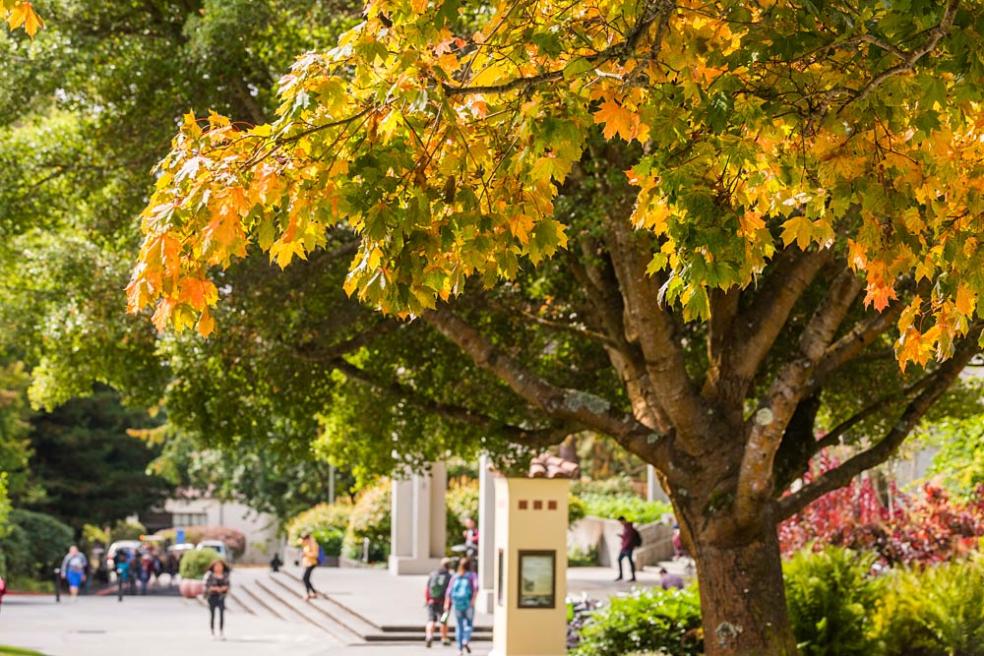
x,y
168,626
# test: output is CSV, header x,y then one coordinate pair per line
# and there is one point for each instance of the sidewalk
x,y
166,626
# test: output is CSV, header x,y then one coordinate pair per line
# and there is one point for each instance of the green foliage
x,y
617,485
195,563
577,557
126,530
959,463
326,522
665,621
91,468
93,535
462,503
633,508
936,611
576,509
370,518
830,596
35,544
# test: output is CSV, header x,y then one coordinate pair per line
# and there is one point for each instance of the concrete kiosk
x,y
530,560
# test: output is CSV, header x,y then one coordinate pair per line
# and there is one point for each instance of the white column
x,y
486,536
401,519
654,491
418,522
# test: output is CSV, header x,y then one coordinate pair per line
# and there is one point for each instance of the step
x,y
238,603
294,610
260,602
353,625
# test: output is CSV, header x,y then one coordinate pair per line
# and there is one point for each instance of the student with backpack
x,y
631,540
462,593
310,557
434,595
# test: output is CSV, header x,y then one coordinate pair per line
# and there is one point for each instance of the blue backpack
x,y
461,592
321,555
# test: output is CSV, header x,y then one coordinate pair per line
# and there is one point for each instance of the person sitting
x,y
670,580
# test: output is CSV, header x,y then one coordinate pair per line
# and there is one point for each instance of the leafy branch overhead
x,y
754,128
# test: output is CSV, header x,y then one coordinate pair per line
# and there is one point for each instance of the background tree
x,y
782,160
91,470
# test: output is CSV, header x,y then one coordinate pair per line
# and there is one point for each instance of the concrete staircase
x,y
281,596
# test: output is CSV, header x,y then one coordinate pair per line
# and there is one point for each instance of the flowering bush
x,y
922,528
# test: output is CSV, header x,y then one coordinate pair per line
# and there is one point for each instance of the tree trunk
x,y
742,598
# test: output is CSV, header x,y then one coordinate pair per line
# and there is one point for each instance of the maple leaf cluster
x,y
21,14
753,130
923,528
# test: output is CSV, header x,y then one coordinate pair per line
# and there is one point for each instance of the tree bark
x,y
742,598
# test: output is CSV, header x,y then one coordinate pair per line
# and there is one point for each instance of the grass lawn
x,y
17,651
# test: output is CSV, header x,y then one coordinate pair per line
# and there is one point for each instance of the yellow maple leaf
x,y
966,300
520,225
798,229
750,222
206,324
23,15
617,119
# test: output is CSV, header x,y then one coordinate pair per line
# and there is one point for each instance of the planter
x,y
191,589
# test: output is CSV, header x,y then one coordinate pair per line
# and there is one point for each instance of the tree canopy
x,y
737,205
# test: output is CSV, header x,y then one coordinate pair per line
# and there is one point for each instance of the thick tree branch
x,y
757,328
539,438
765,432
566,405
650,326
833,437
940,381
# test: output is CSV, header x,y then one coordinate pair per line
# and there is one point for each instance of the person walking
x,y
434,596
216,588
462,593
73,570
630,541
310,555
121,563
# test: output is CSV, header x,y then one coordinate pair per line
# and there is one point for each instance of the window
x,y
190,519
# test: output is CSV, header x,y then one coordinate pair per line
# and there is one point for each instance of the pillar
x,y
654,491
486,536
418,522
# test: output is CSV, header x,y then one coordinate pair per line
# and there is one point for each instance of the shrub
x,y
195,563
613,486
324,521
925,527
936,611
633,508
370,518
656,620
578,557
830,595
36,544
93,535
576,509
124,530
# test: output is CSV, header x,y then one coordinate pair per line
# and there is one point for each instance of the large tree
x,y
803,190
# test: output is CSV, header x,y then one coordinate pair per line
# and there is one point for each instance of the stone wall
x,y
602,534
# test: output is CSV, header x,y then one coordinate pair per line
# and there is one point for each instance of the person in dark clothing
x,y
216,588
434,594
630,540
276,563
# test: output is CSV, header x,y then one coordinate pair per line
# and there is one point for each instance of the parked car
x,y
215,545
